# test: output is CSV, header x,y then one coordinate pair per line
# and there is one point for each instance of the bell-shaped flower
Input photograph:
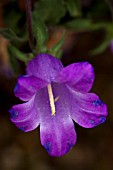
x,y
55,96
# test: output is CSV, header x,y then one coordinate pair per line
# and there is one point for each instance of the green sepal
x,y
55,50
18,54
59,54
40,33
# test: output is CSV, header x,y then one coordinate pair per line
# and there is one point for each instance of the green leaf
x,y
10,35
50,10
74,7
81,25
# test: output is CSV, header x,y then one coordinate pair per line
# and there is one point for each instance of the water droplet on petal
x,y
48,147
13,113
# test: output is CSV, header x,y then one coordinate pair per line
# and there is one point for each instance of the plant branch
x,y
29,23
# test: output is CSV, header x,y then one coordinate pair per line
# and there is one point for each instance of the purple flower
x,y
55,96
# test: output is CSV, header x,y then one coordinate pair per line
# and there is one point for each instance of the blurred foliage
x,y
50,10
73,7
55,50
10,35
71,14
98,10
14,18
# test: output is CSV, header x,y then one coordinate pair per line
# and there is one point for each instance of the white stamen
x,y
56,99
51,99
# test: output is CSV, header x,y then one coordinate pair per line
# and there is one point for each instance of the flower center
x,y
51,99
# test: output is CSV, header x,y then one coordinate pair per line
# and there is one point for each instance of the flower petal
x,y
27,86
56,131
25,115
58,137
88,109
79,76
45,67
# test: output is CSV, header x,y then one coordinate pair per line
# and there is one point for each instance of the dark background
x,y
94,147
